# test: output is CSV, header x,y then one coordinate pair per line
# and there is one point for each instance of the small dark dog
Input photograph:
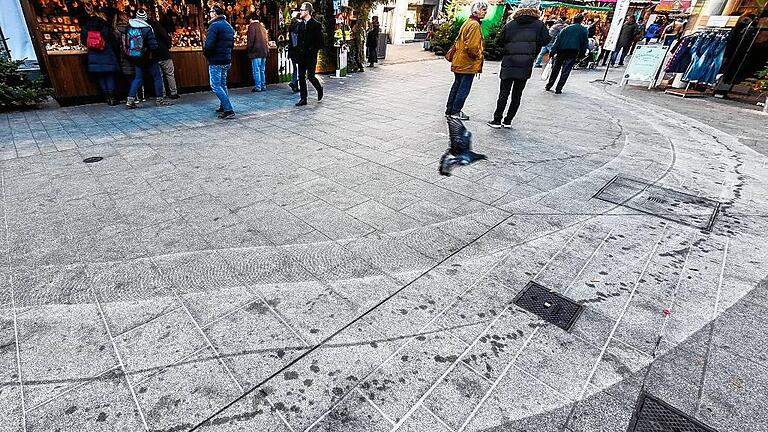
x,y
460,150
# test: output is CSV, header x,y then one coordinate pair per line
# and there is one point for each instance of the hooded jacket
x,y
572,42
522,38
556,29
150,42
106,60
219,42
468,58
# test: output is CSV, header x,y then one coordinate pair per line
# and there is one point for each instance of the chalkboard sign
x,y
645,64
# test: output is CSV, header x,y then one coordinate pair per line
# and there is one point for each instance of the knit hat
x,y
141,14
534,4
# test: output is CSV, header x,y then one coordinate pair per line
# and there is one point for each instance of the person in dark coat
x,y
218,50
258,51
293,41
627,37
372,42
103,48
571,45
163,58
309,43
522,38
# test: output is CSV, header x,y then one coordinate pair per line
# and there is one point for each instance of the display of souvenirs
x,y
186,38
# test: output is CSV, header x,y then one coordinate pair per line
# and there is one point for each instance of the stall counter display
x,y
57,28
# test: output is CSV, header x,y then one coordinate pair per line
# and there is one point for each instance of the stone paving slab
x,y
292,271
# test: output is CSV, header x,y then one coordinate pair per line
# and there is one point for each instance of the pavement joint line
x,y
528,340
708,354
13,305
439,420
596,365
507,307
533,377
81,383
157,369
119,359
376,407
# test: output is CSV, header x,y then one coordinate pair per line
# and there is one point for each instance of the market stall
x,y
55,29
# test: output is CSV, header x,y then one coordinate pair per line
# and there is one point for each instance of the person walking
x,y
555,30
163,57
626,38
572,44
522,37
258,50
466,57
372,42
218,50
293,41
103,49
309,42
140,45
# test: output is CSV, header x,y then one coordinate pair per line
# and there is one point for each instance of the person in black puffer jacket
x,y
102,46
522,38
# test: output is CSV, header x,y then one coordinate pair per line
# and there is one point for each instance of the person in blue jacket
x,y
571,44
140,45
103,46
218,51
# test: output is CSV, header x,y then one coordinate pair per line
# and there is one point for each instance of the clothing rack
x,y
687,91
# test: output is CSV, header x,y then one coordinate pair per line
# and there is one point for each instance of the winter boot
x,y
131,103
460,150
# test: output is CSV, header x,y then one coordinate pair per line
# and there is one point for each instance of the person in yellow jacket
x,y
467,60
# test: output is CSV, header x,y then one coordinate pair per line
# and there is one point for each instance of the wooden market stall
x,y
55,29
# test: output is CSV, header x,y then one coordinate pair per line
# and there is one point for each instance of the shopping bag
x,y
547,71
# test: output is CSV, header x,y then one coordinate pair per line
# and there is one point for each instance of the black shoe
x,y
174,96
255,90
294,88
538,66
220,109
558,92
547,88
507,124
494,124
621,64
301,102
319,94
226,115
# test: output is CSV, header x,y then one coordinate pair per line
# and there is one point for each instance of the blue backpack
x,y
133,44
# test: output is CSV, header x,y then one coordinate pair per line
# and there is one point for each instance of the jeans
x,y
106,81
545,49
516,86
169,74
562,67
138,79
258,65
218,75
295,74
307,72
462,83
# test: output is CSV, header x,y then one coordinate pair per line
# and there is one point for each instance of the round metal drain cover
x,y
93,159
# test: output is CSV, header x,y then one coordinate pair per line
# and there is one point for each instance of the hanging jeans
x,y
462,84
714,61
562,67
138,79
218,78
516,86
698,53
545,49
258,65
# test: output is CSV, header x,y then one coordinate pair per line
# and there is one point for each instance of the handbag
x,y
547,71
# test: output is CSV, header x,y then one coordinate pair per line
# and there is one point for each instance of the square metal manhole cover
x,y
654,415
659,201
549,305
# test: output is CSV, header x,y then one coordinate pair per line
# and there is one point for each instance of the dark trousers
x,y
307,72
515,86
107,82
562,67
462,84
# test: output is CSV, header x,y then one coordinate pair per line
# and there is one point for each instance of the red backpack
x,y
95,40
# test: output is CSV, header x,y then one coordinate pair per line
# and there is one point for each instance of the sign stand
x,y
619,13
645,64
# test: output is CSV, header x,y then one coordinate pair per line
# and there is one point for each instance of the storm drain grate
x,y
549,305
654,415
93,159
670,204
